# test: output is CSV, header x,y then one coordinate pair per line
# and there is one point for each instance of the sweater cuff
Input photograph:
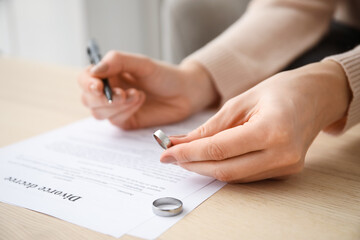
x,y
350,61
226,69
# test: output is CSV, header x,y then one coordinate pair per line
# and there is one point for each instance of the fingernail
x,y
168,159
99,68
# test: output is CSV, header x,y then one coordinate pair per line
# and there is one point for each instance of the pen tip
x,y
110,101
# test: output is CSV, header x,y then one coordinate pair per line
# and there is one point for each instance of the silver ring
x,y
167,207
162,139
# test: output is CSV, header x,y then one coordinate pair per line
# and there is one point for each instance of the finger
x,y
122,119
110,113
222,120
250,167
233,169
115,62
90,84
246,168
155,113
223,145
91,100
111,110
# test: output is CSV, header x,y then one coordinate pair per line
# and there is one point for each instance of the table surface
x,y
322,202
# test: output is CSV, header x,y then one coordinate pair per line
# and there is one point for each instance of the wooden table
x,y
323,202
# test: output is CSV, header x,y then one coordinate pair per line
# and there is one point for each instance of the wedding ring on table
x,y
167,207
162,139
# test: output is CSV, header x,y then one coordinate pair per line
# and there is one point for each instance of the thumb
x,y
115,63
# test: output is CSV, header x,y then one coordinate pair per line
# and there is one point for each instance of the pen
x,y
95,57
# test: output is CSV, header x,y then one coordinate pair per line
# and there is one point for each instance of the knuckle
x,y
222,175
263,135
277,135
233,102
112,54
229,103
202,131
283,135
215,152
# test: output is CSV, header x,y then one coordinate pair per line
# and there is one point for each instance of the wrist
x,y
343,94
200,87
335,92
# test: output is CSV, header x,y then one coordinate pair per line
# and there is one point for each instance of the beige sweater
x,y
269,36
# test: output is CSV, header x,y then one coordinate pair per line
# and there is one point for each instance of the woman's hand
x,y
266,131
145,92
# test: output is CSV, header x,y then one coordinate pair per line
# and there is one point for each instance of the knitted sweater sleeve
x,y
263,41
350,61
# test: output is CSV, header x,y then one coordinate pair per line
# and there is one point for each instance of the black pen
x,y
95,58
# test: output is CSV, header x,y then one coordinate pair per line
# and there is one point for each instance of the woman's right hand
x,y
145,92
266,131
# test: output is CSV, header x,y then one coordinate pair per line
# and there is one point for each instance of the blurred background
x,y
57,31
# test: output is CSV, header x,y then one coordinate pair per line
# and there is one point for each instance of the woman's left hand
x,y
266,131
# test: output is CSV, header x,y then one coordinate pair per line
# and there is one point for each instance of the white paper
x,y
95,175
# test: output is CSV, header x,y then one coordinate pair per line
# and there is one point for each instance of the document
x,y
98,176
